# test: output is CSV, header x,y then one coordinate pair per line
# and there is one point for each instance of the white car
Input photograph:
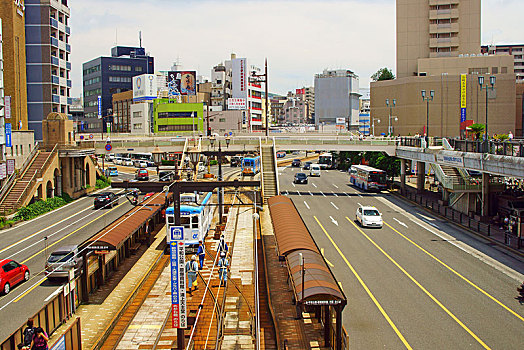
x,y
142,164
369,217
117,160
127,161
314,170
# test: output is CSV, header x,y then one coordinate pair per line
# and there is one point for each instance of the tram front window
x,y
184,221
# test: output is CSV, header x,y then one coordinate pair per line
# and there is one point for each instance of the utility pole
x,y
267,99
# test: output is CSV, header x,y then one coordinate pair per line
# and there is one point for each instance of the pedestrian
x,y
510,136
222,245
40,340
223,264
201,253
192,269
28,334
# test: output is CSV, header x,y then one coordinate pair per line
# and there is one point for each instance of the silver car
x,y
63,260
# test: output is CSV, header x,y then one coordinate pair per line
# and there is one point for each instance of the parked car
x,y
314,170
307,165
142,174
63,260
127,162
300,178
296,163
106,200
148,195
110,157
236,161
369,217
118,160
12,273
111,171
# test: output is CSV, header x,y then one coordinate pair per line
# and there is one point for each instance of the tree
x,y
383,74
477,129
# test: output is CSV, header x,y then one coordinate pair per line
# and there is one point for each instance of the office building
x,y
105,76
435,28
48,52
517,51
14,64
122,102
170,117
337,96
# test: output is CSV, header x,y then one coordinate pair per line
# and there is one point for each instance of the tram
x,y
250,165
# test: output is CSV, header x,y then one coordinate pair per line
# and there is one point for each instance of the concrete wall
x,y
224,121
492,64
23,143
336,97
140,118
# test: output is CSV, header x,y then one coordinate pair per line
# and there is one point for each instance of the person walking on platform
x,y
222,245
192,269
223,264
201,254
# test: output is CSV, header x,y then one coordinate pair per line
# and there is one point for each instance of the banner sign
x,y
463,90
236,103
8,130
7,107
10,166
3,171
178,285
99,107
341,121
181,83
144,87
450,160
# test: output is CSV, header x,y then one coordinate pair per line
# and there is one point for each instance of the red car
x,y
12,273
142,174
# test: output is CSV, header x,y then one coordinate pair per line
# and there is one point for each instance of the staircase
x,y
19,192
269,171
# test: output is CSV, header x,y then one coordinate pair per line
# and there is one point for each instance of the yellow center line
x,y
29,290
458,274
381,309
422,288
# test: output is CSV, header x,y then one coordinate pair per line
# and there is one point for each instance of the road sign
x,y
91,136
178,284
109,147
175,233
8,135
81,137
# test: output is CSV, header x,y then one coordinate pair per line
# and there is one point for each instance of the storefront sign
x,y
236,103
178,285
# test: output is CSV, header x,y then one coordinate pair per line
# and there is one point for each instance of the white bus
x,y
367,178
325,160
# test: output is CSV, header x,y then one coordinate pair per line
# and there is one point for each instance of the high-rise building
x,y
337,96
14,63
2,111
517,51
435,28
105,76
48,60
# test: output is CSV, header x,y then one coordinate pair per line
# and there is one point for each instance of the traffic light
x,y
208,131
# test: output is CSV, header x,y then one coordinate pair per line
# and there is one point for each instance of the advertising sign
x,y
60,344
236,103
184,82
300,91
244,119
7,107
463,90
341,121
175,233
8,142
10,166
144,87
3,171
99,103
239,77
178,284
450,160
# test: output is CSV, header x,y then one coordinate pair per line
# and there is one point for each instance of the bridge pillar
x,y
402,174
421,176
485,194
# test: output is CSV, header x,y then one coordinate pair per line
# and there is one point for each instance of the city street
x,y
418,282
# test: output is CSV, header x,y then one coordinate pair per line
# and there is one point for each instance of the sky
x,y
299,38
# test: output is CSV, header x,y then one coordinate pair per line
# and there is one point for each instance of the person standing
x,y
223,264
222,245
510,136
201,254
29,333
40,340
191,270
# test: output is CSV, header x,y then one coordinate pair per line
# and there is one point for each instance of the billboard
x,y
144,87
183,82
236,103
239,78
300,91
341,121
7,107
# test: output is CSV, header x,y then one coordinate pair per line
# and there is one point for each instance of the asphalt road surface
x,y
419,282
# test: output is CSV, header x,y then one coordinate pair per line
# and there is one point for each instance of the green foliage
x,y
477,129
346,159
41,207
384,162
383,74
103,182
501,137
168,162
213,162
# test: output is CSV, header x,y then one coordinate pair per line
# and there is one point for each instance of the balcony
x,y
53,22
68,30
69,83
443,28
443,2
55,79
56,99
54,61
68,65
444,42
54,42
443,14
69,100
68,48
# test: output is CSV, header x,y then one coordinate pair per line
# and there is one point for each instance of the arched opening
x,y
49,190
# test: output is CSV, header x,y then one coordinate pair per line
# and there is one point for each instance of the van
x,y
314,170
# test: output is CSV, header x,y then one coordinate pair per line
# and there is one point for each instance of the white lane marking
x,y
359,195
335,185
293,184
287,193
359,204
299,193
400,222
58,290
314,185
310,193
334,194
322,252
322,193
347,194
333,204
306,205
429,223
333,220
460,245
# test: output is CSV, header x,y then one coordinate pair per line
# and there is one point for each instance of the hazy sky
x,y
299,37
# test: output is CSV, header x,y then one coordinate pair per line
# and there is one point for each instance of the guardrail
x,y
514,148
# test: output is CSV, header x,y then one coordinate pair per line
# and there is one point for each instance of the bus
x,y
325,160
367,178
281,154
250,166
195,217
147,157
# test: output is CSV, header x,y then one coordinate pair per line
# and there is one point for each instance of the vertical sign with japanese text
x,y
178,284
8,130
463,90
99,103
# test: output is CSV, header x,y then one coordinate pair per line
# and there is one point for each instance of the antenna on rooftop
x,y
140,38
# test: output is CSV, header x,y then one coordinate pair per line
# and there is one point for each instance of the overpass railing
x,y
514,148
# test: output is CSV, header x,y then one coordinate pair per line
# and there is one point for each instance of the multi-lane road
x,y
419,282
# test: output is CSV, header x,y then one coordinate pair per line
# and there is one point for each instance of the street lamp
x,y
373,123
427,99
393,104
194,158
487,87
253,74
157,158
228,140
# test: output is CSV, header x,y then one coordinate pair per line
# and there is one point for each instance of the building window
x,y
92,92
137,126
504,70
92,81
184,127
92,70
137,114
117,67
494,70
222,120
119,79
138,69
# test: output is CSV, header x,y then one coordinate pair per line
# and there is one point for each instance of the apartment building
x,y
517,51
48,53
296,108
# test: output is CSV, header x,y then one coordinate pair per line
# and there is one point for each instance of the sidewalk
x,y
97,316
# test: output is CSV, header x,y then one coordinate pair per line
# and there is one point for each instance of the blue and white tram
x,y
196,220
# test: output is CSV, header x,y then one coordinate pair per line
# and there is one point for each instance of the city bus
x,y
250,166
281,154
367,178
147,157
325,160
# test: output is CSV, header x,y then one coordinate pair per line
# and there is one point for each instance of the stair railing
x,y
29,160
48,160
28,188
275,166
261,165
